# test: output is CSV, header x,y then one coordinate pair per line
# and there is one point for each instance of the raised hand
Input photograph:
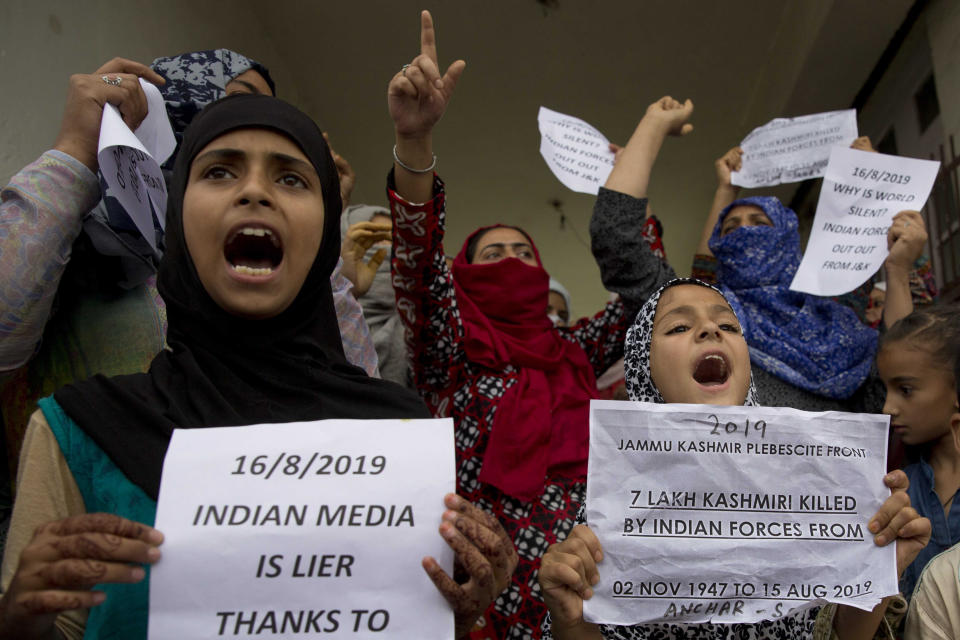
x,y
418,95
731,161
672,115
897,520
360,237
116,82
485,554
568,572
63,562
906,238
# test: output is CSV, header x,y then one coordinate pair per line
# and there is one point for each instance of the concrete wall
x,y
943,33
43,43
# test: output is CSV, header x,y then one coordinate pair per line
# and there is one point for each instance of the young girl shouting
x,y
675,331
916,361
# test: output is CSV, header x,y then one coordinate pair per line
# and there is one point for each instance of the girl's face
x,y
253,220
697,353
921,393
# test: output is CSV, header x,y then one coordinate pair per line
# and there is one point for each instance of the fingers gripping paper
x,y
733,514
303,530
130,161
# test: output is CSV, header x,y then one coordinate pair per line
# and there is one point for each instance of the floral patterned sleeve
x,y
423,283
41,210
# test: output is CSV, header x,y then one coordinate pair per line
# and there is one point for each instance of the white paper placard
x,y
303,530
861,193
733,514
576,152
130,161
793,149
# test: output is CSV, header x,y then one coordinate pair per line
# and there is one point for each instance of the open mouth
x,y
253,251
711,369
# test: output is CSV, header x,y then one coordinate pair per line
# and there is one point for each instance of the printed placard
x,y
861,193
733,514
576,152
303,529
793,149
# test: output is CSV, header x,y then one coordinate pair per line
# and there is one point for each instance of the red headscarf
x,y
542,420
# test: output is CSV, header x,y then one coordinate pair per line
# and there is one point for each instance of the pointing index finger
x,y
428,37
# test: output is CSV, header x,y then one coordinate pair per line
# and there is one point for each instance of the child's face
x,y
698,354
253,220
921,395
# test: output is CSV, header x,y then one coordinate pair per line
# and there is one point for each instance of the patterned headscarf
x,y
813,343
636,349
196,79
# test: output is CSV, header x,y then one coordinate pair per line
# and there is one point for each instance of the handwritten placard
x,y
303,529
861,193
576,152
733,514
793,149
130,162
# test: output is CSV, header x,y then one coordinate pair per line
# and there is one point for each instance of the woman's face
x,y
503,242
746,215
250,81
253,220
698,354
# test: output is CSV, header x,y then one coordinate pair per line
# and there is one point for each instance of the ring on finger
x,y
403,70
112,81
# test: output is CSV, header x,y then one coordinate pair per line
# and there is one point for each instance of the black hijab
x,y
225,370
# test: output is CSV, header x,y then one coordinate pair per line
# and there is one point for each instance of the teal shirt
x,y
123,616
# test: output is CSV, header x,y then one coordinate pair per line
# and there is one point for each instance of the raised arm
x,y
42,207
627,265
906,239
418,97
725,194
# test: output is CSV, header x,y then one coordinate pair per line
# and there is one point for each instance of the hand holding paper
x,y
88,93
730,161
898,520
568,573
906,239
483,550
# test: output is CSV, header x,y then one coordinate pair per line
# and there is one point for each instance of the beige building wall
x,y
43,43
943,32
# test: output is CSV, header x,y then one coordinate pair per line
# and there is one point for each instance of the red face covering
x,y
541,422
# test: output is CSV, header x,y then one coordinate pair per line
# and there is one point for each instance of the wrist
x,y
79,152
896,272
653,126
